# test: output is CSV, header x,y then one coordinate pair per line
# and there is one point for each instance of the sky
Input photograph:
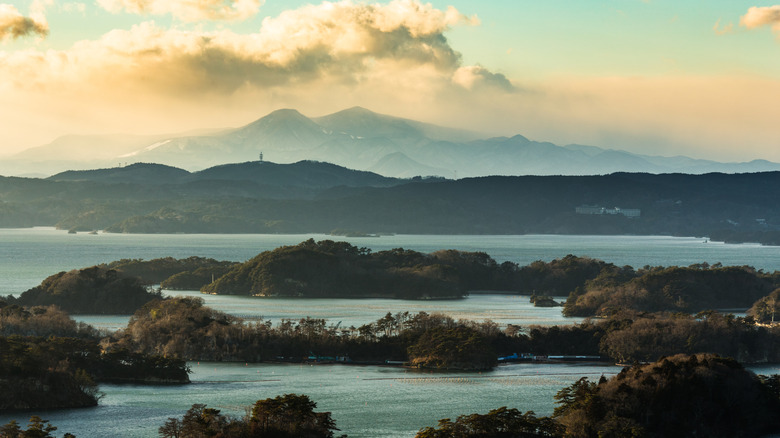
x,y
661,77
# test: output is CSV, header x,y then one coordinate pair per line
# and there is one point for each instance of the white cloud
x,y
762,16
187,10
15,25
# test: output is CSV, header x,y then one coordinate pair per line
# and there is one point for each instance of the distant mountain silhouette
x,y
305,174
139,173
358,138
301,174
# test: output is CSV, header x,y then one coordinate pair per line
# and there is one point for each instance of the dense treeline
x,y
766,309
685,205
41,321
338,269
560,276
57,372
190,273
284,416
675,289
183,327
647,337
764,237
47,360
499,423
94,290
37,428
696,395
46,373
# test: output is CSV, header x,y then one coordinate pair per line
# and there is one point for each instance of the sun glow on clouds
x,y
761,16
390,57
317,58
344,41
15,25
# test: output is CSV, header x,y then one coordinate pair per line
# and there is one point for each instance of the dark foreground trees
x,y
38,428
697,395
284,416
498,423
679,396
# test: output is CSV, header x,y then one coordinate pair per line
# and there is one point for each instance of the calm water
x,y
365,401
27,256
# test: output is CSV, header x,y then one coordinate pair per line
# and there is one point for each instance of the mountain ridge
x,y
361,139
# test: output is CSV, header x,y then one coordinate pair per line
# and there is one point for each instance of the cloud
x,y
187,10
393,57
344,42
14,25
762,16
475,76
722,30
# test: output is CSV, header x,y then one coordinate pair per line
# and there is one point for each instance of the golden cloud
x,y
391,57
475,76
762,16
342,42
14,25
187,10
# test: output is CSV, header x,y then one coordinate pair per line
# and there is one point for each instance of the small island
x,y
93,290
341,270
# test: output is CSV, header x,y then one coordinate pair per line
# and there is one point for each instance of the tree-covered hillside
x,y
338,269
307,197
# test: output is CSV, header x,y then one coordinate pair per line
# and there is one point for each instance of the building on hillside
x,y
597,210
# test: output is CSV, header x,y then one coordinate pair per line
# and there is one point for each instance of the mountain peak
x,y
283,114
361,122
285,111
284,122
357,110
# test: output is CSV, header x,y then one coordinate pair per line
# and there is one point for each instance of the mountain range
x,y
358,139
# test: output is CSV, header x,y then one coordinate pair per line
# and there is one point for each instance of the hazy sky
x,y
665,77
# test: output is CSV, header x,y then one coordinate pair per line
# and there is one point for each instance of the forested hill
x,y
301,174
319,197
328,269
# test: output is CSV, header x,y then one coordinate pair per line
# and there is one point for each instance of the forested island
x,y
331,269
47,361
184,327
339,269
93,290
